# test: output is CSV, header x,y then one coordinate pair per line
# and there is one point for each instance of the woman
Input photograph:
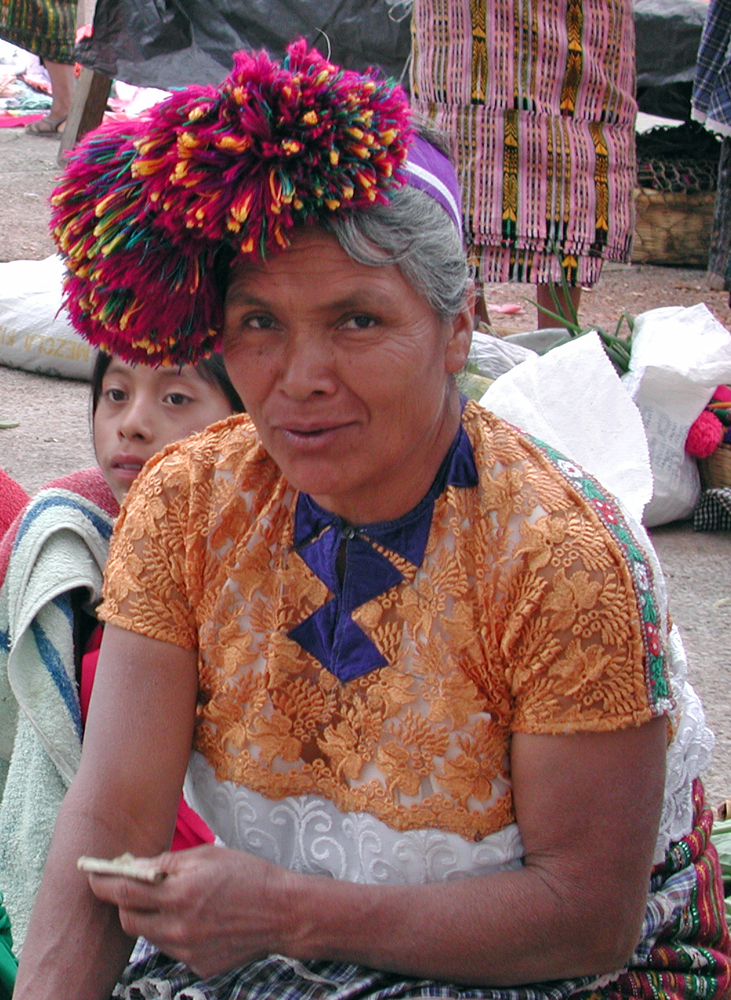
x,y
539,98
51,566
48,29
413,650
710,105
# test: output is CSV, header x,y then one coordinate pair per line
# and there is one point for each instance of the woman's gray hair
x,y
414,232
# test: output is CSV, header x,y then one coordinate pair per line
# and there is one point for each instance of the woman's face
x,y
142,409
343,368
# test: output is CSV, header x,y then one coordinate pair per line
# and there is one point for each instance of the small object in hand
x,y
126,865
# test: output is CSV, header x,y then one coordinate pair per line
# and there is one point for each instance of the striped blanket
x,y
57,544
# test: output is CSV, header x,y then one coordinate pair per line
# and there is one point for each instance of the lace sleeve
x,y
582,636
147,585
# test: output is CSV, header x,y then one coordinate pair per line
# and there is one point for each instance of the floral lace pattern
x,y
308,834
523,616
607,509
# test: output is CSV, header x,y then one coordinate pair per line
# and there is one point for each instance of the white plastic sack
x,y
35,332
15,60
572,399
493,356
679,356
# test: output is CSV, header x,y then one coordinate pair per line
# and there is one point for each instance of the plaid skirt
x,y
280,978
45,27
684,954
537,97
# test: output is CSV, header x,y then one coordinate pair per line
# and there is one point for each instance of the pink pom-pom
x,y
704,436
723,394
150,213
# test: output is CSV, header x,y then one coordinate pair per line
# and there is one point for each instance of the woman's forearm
x,y
509,928
588,807
123,798
75,948
218,909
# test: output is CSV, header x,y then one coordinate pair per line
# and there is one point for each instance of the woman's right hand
x,y
216,909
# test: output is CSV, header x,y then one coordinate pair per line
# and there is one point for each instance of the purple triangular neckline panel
x,y
330,634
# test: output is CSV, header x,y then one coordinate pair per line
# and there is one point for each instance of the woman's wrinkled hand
x,y
216,909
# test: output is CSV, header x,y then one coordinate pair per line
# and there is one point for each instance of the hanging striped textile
x,y
538,97
45,27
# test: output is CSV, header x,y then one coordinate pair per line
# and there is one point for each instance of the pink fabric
x,y
88,669
17,121
539,100
190,830
13,499
89,483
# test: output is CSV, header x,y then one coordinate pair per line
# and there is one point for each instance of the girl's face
x,y
142,409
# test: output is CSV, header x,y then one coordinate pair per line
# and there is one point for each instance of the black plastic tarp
x,y
171,43
668,35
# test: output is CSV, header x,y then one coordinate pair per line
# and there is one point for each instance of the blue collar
x,y
330,634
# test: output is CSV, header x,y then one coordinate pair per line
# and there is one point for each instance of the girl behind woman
x,y
51,567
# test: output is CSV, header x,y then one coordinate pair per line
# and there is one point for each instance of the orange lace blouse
x,y
532,611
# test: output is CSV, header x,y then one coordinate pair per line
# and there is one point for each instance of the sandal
x,y
46,126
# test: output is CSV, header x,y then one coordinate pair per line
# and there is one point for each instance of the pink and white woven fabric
x,y
538,97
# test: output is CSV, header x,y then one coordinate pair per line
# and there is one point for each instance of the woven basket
x,y
716,469
672,228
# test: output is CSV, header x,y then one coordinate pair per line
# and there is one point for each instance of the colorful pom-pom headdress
x,y
149,212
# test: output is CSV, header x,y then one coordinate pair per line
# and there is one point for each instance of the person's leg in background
x,y
554,299
62,90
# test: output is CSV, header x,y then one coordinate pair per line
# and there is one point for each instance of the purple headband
x,y
432,172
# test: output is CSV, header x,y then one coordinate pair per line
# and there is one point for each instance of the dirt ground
x,y
634,288
52,436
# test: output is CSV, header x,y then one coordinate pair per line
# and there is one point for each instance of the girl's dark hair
x,y
210,369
